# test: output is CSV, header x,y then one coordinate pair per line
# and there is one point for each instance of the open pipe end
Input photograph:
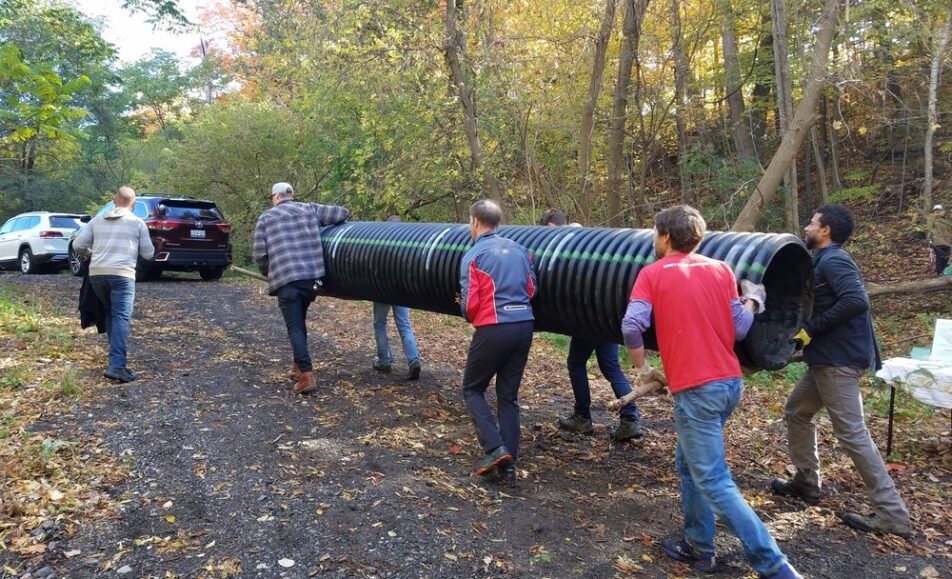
x,y
789,282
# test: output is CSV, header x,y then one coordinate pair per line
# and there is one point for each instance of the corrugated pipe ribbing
x,y
585,275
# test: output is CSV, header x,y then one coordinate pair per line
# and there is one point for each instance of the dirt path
x,y
368,478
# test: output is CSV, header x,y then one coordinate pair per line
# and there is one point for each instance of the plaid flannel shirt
x,y
287,244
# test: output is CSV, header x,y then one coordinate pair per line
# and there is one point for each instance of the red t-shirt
x,y
690,297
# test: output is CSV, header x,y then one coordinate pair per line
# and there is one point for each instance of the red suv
x,y
188,234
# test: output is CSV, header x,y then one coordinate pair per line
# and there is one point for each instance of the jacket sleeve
x,y
261,246
743,319
469,288
146,249
330,214
84,241
533,285
637,319
847,285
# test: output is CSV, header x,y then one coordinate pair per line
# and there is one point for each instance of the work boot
x,y
679,550
577,424
506,475
628,429
295,371
785,572
385,368
789,488
492,460
122,375
306,383
414,371
874,524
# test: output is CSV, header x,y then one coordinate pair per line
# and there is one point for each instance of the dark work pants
x,y
501,351
294,299
941,257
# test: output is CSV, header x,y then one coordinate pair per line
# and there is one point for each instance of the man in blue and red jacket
x,y
497,281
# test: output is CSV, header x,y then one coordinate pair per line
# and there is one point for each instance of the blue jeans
x,y
707,487
401,317
293,299
580,350
117,293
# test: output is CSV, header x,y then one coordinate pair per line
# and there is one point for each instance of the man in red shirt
x,y
698,315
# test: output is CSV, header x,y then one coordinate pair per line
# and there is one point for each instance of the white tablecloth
x,y
929,381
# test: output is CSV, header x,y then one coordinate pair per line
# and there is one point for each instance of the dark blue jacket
x,y
841,327
497,280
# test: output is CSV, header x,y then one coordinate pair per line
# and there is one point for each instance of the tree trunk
x,y
805,117
820,166
760,96
455,49
778,14
680,83
743,142
631,30
834,157
588,114
942,39
933,284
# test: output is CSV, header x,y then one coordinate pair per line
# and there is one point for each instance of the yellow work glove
x,y
802,339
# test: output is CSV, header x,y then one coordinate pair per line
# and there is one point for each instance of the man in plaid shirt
x,y
287,249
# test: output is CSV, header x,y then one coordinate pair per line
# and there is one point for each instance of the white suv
x,y
35,239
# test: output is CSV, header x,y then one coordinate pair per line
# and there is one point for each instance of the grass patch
x,y
70,383
561,342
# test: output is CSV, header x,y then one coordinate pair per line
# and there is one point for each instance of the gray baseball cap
x,y
281,188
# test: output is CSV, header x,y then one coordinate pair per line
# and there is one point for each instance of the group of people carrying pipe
x,y
696,311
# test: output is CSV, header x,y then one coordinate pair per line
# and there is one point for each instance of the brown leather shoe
x,y
295,371
306,383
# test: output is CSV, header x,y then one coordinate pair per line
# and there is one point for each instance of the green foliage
x,y
70,383
12,378
155,84
849,194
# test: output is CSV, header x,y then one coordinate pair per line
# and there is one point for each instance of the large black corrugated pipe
x,y
585,275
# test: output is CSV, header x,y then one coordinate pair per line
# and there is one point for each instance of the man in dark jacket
x,y
287,249
839,347
497,281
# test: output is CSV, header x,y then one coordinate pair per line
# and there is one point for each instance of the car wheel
x,y
77,265
27,265
211,274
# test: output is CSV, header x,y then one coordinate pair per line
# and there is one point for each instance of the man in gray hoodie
x,y
116,238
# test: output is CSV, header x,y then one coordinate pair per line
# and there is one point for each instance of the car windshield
x,y
64,222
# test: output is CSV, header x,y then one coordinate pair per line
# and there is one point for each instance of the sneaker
x,y
506,475
385,368
305,384
874,524
577,424
414,371
628,429
680,550
492,460
789,488
121,375
785,572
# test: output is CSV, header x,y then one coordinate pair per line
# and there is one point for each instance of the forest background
x,y
754,111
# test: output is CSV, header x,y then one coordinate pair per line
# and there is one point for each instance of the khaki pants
x,y
836,388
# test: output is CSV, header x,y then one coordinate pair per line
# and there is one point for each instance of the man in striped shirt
x,y
287,249
116,238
